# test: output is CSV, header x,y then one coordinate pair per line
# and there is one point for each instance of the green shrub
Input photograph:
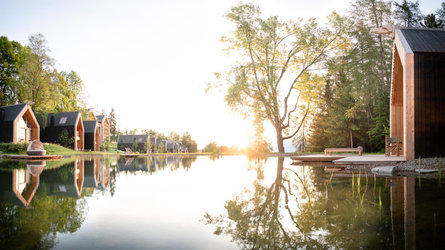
x,y
65,139
11,148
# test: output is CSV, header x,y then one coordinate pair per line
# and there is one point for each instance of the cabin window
x,y
23,132
62,120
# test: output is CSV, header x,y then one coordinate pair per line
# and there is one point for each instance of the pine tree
x,y
407,13
112,119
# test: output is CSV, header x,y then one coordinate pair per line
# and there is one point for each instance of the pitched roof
x,y
425,40
101,117
64,118
131,138
12,111
89,126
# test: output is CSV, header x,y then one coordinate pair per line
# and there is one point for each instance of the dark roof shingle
x,y
131,138
63,118
12,111
425,40
89,126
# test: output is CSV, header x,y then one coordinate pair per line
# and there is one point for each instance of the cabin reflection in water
x,y
19,186
104,176
91,173
66,180
153,164
427,222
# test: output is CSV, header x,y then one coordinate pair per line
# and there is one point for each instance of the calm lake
x,y
230,202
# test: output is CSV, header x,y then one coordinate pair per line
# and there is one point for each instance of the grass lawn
x,y
51,149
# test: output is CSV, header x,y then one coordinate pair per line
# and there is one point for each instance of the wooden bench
x,y
358,149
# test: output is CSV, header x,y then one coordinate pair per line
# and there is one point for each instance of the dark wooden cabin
x,y
92,139
104,127
69,121
18,124
127,141
418,91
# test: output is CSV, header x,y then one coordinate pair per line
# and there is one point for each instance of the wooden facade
x,y
69,121
18,124
104,127
128,141
418,92
92,139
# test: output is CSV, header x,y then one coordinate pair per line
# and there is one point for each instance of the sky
x,y
151,60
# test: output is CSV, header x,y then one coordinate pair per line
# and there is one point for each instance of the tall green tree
x,y
355,110
212,147
189,143
430,21
11,61
407,13
441,13
35,79
112,119
272,80
174,136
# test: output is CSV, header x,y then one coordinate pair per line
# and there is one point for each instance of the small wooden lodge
x,y
91,135
127,141
418,92
170,146
18,124
104,127
69,121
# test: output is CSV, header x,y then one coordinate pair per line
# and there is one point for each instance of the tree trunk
x,y
350,136
280,144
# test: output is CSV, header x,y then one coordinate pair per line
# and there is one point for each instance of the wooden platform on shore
x,y
318,158
33,157
369,159
343,159
131,155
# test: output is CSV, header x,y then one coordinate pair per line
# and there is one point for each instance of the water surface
x,y
203,203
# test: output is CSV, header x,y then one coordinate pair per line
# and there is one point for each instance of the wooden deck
x,y
348,159
319,158
369,159
33,157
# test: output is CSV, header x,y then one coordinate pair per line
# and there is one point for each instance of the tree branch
x,y
301,124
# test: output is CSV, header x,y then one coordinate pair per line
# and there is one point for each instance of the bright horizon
x,y
151,60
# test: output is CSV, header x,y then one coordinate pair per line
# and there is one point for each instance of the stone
x,y
386,170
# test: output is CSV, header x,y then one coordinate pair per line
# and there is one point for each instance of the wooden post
x,y
408,107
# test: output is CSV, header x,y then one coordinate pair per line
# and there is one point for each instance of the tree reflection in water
x,y
303,208
51,210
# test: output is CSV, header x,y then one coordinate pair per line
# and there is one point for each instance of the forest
x,y
28,73
354,105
